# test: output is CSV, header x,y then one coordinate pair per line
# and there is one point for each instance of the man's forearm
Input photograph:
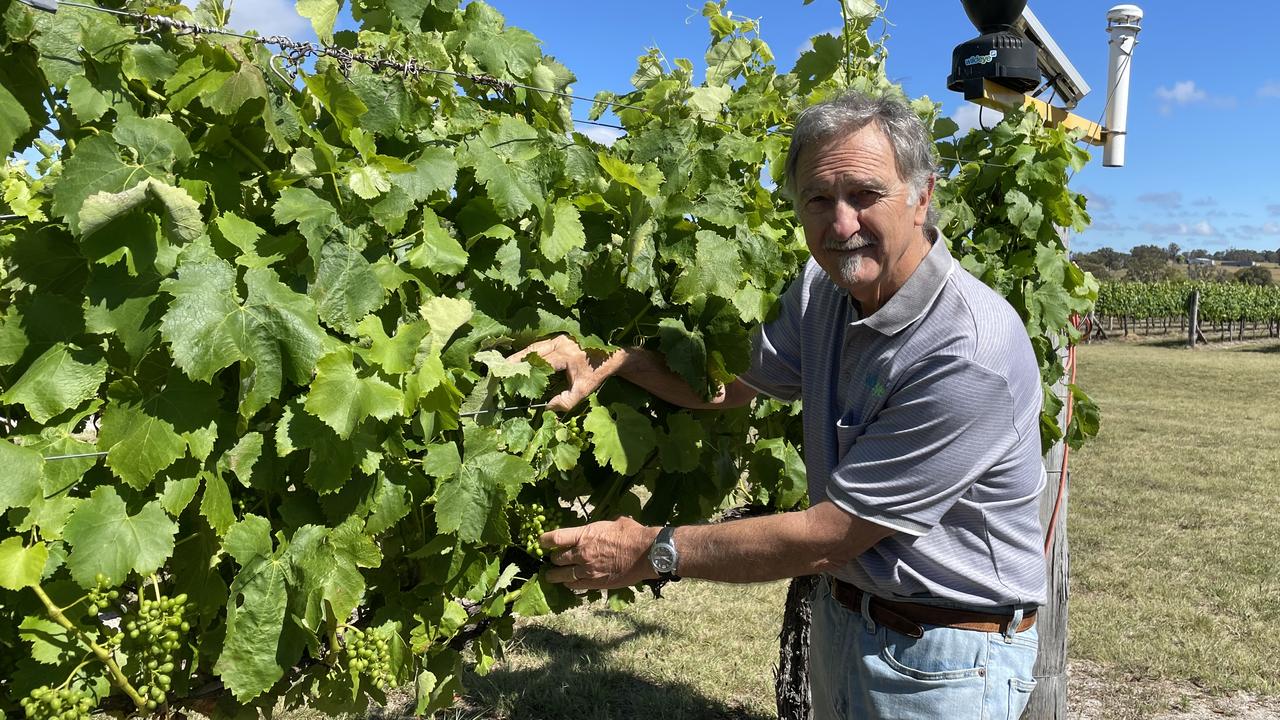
x,y
774,547
614,553
649,370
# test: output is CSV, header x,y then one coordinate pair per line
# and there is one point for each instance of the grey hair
x,y
912,145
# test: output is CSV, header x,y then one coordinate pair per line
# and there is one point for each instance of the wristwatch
x,y
663,554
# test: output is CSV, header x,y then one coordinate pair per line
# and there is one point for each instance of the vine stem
x,y
72,674
116,673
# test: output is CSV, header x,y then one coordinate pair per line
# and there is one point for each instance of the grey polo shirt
x,y
922,417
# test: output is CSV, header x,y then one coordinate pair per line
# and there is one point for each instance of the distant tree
x,y
1091,265
1198,253
1174,251
1147,263
1254,276
1113,259
1243,255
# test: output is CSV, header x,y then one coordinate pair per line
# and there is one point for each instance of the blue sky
x,y
1203,108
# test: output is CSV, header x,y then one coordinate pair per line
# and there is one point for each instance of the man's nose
x,y
846,221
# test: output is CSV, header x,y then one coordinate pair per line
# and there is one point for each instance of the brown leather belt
x,y
909,618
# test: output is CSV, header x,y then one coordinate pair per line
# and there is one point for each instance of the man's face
x,y
861,221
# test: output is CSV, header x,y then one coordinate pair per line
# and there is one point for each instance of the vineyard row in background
x,y
1227,309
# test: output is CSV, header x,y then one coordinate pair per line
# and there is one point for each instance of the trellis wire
x,y
471,413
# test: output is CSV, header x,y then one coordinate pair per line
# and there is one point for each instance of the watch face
x,y
663,558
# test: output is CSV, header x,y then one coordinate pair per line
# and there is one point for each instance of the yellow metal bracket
x,y
997,97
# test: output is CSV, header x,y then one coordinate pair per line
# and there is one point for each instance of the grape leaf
x,y
511,186
435,170
336,95
438,251
215,505
14,122
623,438
247,539
23,472
316,218
87,103
106,539
681,446
256,609
207,327
346,288
445,315
819,62
182,220
322,14
63,377
20,566
341,397
246,84
562,232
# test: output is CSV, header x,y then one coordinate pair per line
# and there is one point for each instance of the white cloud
x,y
268,17
1197,229
1254,232
967,116
1270,89
1185,92
271,17
600,134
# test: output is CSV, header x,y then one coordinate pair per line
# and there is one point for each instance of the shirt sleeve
x,y
776,347
948,423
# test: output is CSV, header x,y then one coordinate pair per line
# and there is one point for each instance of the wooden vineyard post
x,y
1049,699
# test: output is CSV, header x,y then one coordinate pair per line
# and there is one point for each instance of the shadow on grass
x,y
576,682
1272,348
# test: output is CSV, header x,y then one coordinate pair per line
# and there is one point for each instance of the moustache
x,y
849,244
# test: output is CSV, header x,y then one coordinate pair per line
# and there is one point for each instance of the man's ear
x,y
922,202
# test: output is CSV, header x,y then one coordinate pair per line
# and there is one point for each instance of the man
x,y
921,418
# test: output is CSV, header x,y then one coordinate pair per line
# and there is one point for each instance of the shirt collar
x,y
917,294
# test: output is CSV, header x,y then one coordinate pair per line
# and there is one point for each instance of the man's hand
x,y
601,555
586,370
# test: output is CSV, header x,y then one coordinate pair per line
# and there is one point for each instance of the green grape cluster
x,y
64,703
152,638
101,595
367,654
531,522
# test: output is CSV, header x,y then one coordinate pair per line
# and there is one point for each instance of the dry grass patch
x,y
1173,523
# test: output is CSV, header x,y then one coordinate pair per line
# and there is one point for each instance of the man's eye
x,y
865,198
818,201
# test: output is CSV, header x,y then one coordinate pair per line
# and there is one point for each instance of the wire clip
x,y
47,5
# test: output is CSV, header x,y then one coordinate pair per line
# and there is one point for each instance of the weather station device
x,y
1015,60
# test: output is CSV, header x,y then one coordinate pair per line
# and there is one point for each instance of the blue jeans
x,y
858,669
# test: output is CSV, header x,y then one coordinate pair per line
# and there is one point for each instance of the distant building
x,y
1201,261
1239,263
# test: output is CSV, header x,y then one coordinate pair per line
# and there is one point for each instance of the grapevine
x,y
264,321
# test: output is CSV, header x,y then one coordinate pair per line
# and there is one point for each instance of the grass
x,y
1174,546
703,651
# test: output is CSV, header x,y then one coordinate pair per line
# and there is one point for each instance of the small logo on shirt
x,y
875,386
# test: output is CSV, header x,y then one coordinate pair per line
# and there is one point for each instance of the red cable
x,y
1066,449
